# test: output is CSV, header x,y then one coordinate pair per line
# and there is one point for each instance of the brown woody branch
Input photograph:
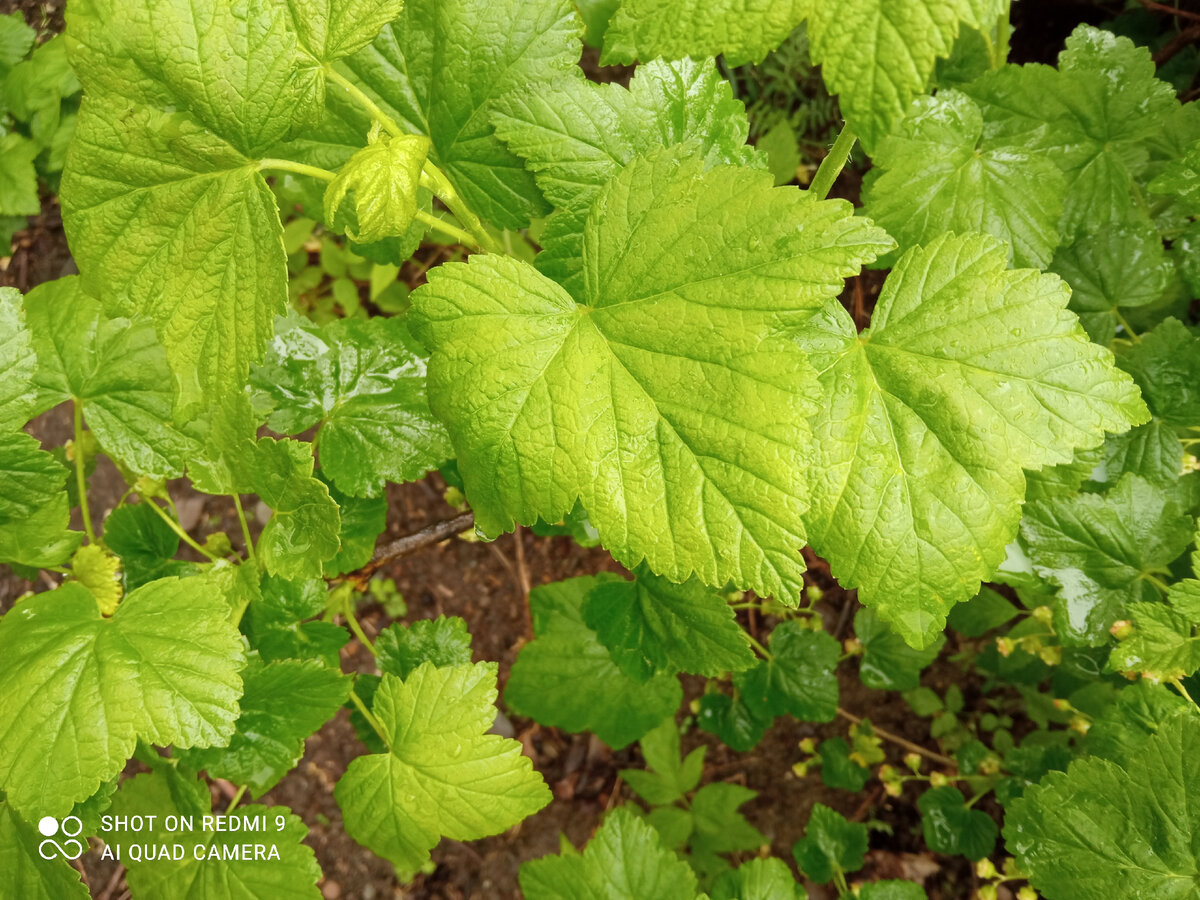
x,y
410,543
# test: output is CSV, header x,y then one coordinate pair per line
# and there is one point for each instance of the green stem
x,y
445,228
288,165
839,878
241,514
1182,690
178,529
1158,583
352,621
389,124
237,798
434,179
832,165
766,654
370,717
81,474
1133,335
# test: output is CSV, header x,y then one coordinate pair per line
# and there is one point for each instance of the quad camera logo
x,y
52,849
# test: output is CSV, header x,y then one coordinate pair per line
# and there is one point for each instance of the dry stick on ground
x,y
903,742
1176,44
410,543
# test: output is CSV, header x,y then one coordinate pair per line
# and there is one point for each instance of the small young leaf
x,y
565,677
383,178
29,476
1162,646
473,784
43,538
798,678
443,641
484,49
1166,365
979,615
654,625
145,543
362,520
18,362
830,844
892,890
950,826
624,861
18,176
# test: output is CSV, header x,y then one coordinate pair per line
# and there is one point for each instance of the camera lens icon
x,y
70,826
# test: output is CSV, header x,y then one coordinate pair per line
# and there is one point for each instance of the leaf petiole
x,y
178,529
435,179
81,474
241,514
352,621
832,165
389,124
288,165
370,717
445,228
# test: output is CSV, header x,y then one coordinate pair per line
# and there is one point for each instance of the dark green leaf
x,y
950,826
830,844
888,662
797,679
443,641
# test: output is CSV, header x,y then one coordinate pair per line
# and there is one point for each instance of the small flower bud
x,y
808,745
1121,629
1005,646
1080,724
1027,893
988,892
938,779
986,869
1051,656
913,761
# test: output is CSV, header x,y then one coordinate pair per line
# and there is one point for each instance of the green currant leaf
x,y
732,721
759,879
950,826
681,456
362,383
363,519
29,476
830,843
18,362
741,31
983,612
382,178
1151,451
18,176
1162,646
719,827
215,863
575,135
331,29
915,499
16,40
1110,829
888,662
1117,267
1139,711
1166,365
41,539
838,770
438,70
145,543
939,175
625,860
654,625
1065,478
471,784
892,890
798,678
565,677
282,705
24,872
443,641
876,55
275,622
164,668
1098,548
1092,116
667,777
114,368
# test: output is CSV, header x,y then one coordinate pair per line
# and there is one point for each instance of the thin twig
x,y
1176,44
410,543
523,579
1171,10
903,742
111,887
